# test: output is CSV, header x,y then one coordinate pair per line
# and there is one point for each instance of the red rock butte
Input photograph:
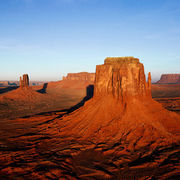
x,y
122,109
122,77
24,82
120,133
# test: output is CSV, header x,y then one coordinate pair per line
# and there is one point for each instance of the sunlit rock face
x,y
121,77
103,139
122,108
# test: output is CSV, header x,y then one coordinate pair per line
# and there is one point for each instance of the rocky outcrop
x,y
24,81
104,139
169,79
81,76
149,83
122,108
121,77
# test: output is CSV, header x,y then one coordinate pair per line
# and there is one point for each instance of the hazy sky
x,y
48,38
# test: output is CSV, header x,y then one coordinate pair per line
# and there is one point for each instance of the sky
x,y
49,38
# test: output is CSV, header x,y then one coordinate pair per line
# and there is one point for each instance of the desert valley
x,y
111,124
89,90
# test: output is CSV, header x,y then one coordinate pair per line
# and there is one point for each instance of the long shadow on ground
x,y
7,89
89,95
43,90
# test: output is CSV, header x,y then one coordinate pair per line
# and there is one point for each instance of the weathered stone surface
x,y
122,108
149,83
120,60
82,76
104,139
169,79
20,82
24,82
121,77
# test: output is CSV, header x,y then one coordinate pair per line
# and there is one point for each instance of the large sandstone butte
x,y
82,76
169,79
24,81
122,109
122,78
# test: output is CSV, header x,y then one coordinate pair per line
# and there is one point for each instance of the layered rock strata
x,y
121,77
169,79
122,109
81,76
107,138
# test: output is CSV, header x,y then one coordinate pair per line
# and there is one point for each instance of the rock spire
x,y
24,80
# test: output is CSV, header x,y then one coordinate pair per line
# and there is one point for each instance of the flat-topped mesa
x,y
82,76
121,77
24,81
169,79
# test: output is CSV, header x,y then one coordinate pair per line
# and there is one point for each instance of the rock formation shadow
x,y
7,89
89,95
43,90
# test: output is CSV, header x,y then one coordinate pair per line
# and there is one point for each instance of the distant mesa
x,y
169,79
24,81
82,76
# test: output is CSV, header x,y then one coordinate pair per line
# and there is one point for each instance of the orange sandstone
x,y
122,109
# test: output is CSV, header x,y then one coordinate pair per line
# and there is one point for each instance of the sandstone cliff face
x,y
122,108
82,76
169,79
24,81
121,78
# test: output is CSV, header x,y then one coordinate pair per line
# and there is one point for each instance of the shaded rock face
x,y
24,81
169,79
83,76
121,77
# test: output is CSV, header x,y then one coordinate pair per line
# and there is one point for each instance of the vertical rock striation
x,y
149,84
121,77
122,108
24,82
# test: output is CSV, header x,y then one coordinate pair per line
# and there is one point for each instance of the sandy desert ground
x,y
48,132
60,95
